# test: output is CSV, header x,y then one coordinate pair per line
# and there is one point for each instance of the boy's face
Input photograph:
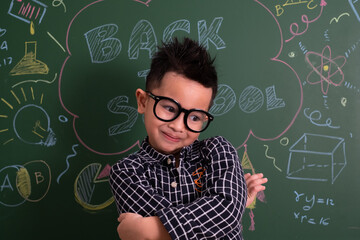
x,y
171,137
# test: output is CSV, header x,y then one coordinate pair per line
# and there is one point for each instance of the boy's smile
x,y
171,137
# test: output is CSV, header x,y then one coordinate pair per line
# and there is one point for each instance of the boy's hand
x,y
254,185
129,227
133,226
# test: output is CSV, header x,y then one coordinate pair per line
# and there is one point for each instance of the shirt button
x,y
169,161
174,184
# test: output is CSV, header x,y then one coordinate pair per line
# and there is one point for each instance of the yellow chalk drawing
x,y
23,182
24,95
10,140
37,134
286,141
32,28
293,3
8,104
266,155
37,125
37,129
343,101
42,180
57,3
246,163
336,19
32,93
29,64
53,38
84,187
17,99
252,205
292,54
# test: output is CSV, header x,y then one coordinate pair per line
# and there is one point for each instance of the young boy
x,y
175,186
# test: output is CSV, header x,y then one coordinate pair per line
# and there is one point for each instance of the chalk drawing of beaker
x,y
316,157
27,11
29,64
32,126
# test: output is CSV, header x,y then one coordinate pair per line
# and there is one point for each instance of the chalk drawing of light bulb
x,y
32,126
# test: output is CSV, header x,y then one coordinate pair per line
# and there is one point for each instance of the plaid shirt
x,y
205,200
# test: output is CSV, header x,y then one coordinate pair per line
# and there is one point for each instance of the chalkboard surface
x,y
288,100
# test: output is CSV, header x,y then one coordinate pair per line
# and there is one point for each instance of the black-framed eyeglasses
x,y
167,109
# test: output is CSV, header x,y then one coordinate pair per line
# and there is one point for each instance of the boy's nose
x,y
178,123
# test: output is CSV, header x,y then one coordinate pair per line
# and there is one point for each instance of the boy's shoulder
x,y
213,148
215,143
218,153
216,139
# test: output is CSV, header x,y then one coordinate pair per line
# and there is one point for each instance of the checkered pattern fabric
x,y
204,200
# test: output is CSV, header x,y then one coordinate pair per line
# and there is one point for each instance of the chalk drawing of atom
x,y
328,72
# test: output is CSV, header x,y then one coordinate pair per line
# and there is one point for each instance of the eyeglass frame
x,y
181,109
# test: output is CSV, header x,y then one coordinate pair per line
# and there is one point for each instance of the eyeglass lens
x,y
168,110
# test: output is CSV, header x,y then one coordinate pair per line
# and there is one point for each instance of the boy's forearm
x,y
155,229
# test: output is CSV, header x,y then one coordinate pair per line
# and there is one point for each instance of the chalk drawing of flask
x,y
29,64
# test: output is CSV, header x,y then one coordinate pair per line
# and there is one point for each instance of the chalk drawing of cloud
x,y
260,95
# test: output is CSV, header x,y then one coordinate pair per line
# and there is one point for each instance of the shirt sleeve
x,y
132,191
219,210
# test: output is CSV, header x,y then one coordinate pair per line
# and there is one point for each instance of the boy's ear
x,y
141,98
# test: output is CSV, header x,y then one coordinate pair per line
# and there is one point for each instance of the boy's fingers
x,y
257,187
261,180
121,217
257,184
256,178
255,190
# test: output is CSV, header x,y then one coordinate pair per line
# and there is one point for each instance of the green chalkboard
x,y
288,100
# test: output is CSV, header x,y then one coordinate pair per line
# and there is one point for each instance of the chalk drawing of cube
x,y
316,158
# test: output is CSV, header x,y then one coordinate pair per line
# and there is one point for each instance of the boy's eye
x,y
196,117
169,108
